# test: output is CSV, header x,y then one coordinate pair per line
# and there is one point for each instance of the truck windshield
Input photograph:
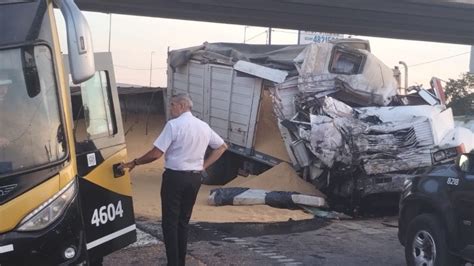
x,y
31,133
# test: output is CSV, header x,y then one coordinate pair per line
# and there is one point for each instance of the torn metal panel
x,y
385,163
272,56
440,119
335,108
326,140
376,82
324,84
301,154
399,113
420,127
283,98
263,72
314,59
428,97
384,142
350,126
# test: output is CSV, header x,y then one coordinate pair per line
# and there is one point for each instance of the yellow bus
x,y
62,201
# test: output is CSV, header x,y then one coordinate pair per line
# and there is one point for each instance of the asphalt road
x,y
310,242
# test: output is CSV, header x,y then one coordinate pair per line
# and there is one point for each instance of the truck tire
x,y
426,243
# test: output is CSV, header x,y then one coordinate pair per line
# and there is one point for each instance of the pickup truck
x,y
436,215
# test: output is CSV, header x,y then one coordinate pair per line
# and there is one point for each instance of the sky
x,y
138,42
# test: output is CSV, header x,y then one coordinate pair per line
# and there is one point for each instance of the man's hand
x,y
128,165
4,142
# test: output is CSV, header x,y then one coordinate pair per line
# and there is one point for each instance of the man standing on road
x,y
184,141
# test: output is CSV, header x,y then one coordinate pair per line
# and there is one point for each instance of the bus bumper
x,y
61,243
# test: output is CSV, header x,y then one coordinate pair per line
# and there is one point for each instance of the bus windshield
x,y
31,132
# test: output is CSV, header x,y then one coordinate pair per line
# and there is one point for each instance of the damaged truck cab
x,y
333,110
437,214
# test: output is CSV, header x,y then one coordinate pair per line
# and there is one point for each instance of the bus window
x,y
95,118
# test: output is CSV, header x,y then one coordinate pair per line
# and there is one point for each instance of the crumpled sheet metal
x,y
380,148
376,84
273,56
326,140
419,126
405,160
323,84
335,108
383,142
441,120
283,96
314,59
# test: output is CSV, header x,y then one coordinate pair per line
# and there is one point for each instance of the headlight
x,y
445,154
439,156
451,153
50,210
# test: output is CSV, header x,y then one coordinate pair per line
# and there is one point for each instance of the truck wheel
x,y
426,243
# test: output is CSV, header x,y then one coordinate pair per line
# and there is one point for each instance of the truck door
x,y
100,143
462,194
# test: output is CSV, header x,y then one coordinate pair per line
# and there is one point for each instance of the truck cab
x,y
437,214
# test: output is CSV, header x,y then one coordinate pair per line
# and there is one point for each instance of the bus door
x,y
106,195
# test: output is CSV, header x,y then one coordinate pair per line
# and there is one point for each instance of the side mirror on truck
x,y
465,162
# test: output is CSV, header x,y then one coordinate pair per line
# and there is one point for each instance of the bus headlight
x,y
50,210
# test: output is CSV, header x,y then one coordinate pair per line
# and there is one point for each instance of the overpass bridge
x,y
450,21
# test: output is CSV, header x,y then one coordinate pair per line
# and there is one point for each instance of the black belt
x,y
184,171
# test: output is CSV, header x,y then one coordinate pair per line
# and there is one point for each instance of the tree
x,y
460,94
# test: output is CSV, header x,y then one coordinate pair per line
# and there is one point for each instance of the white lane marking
x,y
5,249
109,237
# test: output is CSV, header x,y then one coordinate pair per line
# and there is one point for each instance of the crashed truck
x,y
333,110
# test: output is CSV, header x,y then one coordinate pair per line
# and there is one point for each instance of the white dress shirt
x,y
184,141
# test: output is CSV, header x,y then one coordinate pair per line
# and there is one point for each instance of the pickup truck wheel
x,y
426,243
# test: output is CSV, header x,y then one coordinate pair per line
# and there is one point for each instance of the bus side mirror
x,y
30,71
79,42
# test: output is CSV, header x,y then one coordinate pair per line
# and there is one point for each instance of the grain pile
x,y
268,139
146,182
281,177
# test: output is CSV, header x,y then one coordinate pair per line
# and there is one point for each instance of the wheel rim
x,y
424,249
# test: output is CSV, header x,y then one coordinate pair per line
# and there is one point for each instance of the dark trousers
x,y
178,194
